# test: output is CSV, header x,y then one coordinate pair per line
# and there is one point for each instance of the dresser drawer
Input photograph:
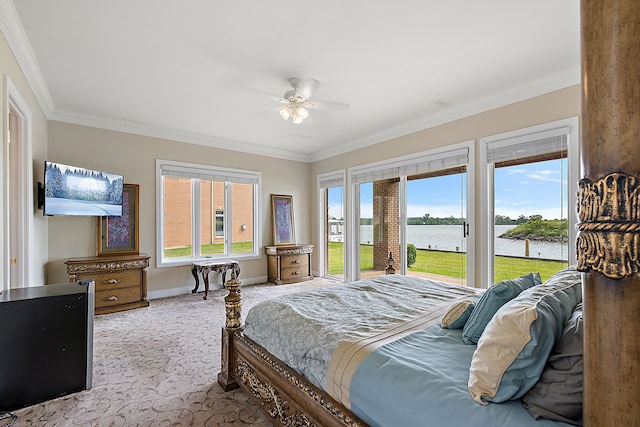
x,y
114,279
121,280
121,296
294,260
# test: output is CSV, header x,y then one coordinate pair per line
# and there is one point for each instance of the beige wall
x,y
546,108
9,68
135,157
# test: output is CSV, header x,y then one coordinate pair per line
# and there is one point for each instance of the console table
x,y
206,267
289,264
121,280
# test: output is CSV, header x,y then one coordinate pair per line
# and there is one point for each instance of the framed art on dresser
x,y
283,230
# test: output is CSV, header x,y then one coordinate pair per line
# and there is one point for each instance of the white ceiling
x,y
180,69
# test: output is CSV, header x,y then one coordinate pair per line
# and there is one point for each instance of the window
x,y
206,211
219,223
392,200
332,230
531,179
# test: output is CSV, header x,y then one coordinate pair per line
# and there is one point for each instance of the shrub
x,y
411,254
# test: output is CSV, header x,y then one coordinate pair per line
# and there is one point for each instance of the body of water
x,y
449,238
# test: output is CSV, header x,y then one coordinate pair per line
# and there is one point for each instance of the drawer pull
x,y
295,273
111,282
111,298
295,261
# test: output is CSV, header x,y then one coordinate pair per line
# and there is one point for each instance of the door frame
x,y
22,175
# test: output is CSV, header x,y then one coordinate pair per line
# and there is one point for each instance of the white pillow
x,y
515,345
457,315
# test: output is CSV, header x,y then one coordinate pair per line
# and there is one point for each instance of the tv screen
x,y
70,190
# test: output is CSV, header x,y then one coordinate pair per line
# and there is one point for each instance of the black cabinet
x,y
47,343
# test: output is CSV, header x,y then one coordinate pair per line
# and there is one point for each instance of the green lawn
x,y
211,249
449,263
445,263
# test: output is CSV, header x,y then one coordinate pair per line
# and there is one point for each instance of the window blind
x,y
331,180
531,145
210,173
413,166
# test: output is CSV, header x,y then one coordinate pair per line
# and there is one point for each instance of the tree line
x,y
427,219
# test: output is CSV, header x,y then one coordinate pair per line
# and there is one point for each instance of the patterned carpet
x,y
157,366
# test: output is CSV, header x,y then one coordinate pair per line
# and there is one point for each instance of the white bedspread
x,y
304,329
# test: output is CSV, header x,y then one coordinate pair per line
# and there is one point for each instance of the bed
x,y
375,352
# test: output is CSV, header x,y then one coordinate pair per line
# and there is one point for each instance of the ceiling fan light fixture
x,y
285,113
302,112
299,114
297,119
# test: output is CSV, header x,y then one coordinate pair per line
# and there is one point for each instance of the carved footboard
x,y
283,394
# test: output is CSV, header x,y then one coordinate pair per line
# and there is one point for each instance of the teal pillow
x,y
457,315
491,301
517,342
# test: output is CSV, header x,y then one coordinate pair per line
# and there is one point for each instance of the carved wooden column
x,y
609,211
233,324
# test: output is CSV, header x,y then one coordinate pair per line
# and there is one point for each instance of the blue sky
x,y
530,189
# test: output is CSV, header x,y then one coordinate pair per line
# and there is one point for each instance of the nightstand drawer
x,y
118,296
294,272
294,260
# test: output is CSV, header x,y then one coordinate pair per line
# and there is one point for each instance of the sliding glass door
x,y
412,212
332,236
379,226
437,225
334,227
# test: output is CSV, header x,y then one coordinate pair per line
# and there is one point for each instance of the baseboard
x,y
185,290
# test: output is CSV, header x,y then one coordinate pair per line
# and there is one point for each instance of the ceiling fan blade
x,y
324,105
270,110
275,97
307,87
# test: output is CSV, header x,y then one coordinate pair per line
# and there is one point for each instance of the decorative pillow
x,y
517,342
491,300
558,394
457,315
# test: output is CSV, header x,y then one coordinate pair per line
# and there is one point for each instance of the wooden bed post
x,y
233,324
609,211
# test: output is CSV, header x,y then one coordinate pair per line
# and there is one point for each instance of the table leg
x,y
195,276
205,278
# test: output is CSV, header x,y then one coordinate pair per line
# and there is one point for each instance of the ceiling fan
x,y
297,100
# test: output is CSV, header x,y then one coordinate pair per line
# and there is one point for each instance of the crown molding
x,y
126,126
11,28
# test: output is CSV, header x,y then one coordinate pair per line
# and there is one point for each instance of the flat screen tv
x,y
70,190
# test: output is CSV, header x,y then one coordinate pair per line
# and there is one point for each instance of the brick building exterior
x,y
178,215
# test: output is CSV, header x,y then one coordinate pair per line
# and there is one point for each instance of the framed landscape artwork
x,y
118,235
283,230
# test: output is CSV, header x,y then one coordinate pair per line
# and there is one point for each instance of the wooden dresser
x,y
121,280
289,264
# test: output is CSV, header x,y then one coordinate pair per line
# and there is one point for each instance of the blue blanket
x,y
421,380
